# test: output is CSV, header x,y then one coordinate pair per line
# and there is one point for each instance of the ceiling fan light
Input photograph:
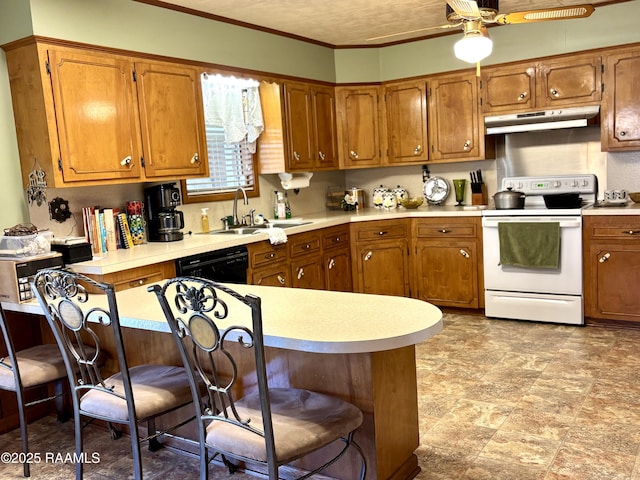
x,y
473,47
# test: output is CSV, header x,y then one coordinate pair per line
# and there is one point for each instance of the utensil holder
x,y
481,198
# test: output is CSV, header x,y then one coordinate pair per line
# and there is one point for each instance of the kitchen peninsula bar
x,y
357,347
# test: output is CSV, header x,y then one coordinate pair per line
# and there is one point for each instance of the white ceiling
x,y
346,22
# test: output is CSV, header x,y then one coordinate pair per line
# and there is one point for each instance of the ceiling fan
x,y
474,16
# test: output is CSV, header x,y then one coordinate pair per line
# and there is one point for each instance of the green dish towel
x,y
530,244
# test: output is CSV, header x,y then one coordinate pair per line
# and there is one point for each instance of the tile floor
x,y
498,400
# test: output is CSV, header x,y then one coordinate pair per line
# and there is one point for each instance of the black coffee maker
x,y
163,220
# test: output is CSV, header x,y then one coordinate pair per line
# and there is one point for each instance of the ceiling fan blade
x,y
465,8
559,13
406,32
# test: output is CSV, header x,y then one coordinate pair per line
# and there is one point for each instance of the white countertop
x,y
157,252
316,321
631,208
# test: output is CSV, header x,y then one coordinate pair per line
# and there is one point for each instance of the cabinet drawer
x,y
136,277
335,237
615,227
304,243
441,228
379,230
263,253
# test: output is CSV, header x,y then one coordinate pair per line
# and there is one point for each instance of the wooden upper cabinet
x,y
508,89
359,131
406,108
621,105
84,120
311,127
172,120
454,119
562,82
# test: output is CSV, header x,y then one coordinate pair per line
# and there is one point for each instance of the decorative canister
x,y
377,196
389,200
400,193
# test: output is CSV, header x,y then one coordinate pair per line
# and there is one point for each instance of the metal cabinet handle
x,y
307,246
281,279
444,230
382,232
353,154
523,95
195,158
300,273
269,256
467,144
632,232
126,161
417,150
622,134
464,254
336,240
368,256
604,258
554,92
321,155
138,282
296,155
332,263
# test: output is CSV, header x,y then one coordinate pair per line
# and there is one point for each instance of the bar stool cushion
x,y
38,365
302,423
156,388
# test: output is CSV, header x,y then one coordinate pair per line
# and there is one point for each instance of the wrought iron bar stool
x,y
212,325
131,396
27,369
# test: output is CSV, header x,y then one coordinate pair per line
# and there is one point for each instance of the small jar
x,y
400,193
389,200
378,196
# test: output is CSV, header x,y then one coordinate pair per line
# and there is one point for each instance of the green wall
x,y
139,27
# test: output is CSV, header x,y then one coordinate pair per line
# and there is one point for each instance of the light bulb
x,y
473,47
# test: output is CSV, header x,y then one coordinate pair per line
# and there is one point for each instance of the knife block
x,y
480,198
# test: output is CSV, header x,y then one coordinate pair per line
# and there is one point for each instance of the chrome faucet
x,y
236,221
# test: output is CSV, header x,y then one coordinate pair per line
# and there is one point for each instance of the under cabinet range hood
x,y
541,120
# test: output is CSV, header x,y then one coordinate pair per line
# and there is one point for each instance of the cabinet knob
x,y
353,154
444,230
195,158
126,161
332,263
382,232
622,134
417,150
632,232
467,144
296,155
464,254
554,92
321,155
604,258
269,256
300,273
281,279
368,256
523,95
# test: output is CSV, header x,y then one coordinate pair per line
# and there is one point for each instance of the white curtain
x,y
233,104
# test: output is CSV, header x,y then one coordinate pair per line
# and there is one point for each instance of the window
x,y
233,122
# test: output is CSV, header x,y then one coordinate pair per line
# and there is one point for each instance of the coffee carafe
x,y
163,220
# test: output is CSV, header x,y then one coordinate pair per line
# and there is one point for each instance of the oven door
x,y
567,279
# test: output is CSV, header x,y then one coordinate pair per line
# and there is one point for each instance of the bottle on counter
x,y
287,206
204,220
279,208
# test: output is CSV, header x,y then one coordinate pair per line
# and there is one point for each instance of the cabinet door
x,y
273,276
621,117
447,273
454,119
299,124
574,81
307,272
382,268
325,134
97,116
337,267
508,89
406,107
359,131
172,120
612,291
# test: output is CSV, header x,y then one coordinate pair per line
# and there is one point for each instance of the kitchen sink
x,y
249,229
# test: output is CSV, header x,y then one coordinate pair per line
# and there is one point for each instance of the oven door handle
x,y
564,223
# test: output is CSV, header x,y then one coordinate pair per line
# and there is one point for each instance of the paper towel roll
x,y
290,181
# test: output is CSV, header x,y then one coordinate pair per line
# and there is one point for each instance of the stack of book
x,y
106,229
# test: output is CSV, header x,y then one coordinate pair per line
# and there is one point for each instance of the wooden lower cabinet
x,y
337,259
305,253
137,277
448,261
611,259
268,265
380,256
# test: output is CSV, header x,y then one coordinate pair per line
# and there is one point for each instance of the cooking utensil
x,y
562,200
509,199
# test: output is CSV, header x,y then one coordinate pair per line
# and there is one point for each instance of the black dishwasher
x,y
226,266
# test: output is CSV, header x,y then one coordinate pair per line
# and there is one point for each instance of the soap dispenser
x,y
204,219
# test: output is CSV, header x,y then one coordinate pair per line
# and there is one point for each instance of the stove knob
x,y
556,184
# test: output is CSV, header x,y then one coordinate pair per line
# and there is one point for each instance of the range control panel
x,y
583,184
